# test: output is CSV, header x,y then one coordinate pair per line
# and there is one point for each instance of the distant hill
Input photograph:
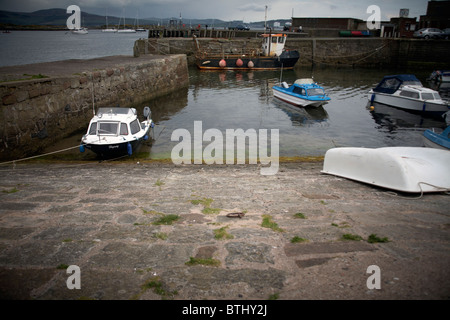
x,y
58,17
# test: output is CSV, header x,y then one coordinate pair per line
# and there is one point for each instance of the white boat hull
x,y
296,101
405,169
408,103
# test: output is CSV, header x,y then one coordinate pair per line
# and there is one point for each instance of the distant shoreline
x,y
45,28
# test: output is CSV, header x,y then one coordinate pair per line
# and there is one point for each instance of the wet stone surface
x,y
112,220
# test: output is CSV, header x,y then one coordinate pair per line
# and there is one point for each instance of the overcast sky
x,y
250,10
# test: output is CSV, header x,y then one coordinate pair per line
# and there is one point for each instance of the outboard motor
x,y
147,112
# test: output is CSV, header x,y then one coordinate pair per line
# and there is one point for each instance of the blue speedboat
x,y
437,140
304,92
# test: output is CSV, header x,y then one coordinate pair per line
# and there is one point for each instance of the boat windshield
x,y
390,84
108,128
315,92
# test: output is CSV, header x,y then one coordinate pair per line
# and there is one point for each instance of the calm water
x,y
233,100
24,47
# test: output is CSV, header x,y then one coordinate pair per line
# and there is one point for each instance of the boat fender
x,y
285,85
82,148
222,63
250,64
424,106
129,149
152,125
239,62
146,137
371,100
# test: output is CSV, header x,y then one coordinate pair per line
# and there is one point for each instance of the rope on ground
x,y
37,156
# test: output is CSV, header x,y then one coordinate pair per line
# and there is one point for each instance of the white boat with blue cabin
x,y
116,131
304,92
434,139
405,91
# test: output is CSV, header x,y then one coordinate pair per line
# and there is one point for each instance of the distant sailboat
x,y
108,29
137,25
80,31
125,30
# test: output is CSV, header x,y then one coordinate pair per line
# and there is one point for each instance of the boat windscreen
x,y
390,84
315,92
108,128
114,110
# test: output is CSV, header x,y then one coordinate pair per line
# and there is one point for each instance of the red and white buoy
x,y
222,63
239,62
250,64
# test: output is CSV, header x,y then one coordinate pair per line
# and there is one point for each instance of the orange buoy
x,y
222,63
239,62
250,64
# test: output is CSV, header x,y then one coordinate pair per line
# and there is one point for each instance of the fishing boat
x,y
272,56
304,92
405,169
433,139
405,91
116,131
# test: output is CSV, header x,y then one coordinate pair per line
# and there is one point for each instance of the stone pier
x,y
42,103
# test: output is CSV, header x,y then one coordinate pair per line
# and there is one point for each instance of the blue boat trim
x,y
442,139
301,90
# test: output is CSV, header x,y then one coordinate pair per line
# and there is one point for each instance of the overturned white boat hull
x,y
405,169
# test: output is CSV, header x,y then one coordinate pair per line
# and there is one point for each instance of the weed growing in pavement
x,y
269,223
374,239
206,262
166,219
222,233
297,239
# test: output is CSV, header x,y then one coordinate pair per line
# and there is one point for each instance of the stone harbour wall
x,y
371,52
36,113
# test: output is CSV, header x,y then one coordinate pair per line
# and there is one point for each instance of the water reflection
x,y
244,100
309,116
393,118
165,107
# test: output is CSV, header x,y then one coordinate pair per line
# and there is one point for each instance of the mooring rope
x,y
38,156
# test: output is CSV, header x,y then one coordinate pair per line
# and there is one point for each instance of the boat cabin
x,y
273,44
419,93
306,87
114,122
391,84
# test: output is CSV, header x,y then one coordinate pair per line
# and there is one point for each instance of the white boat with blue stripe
x,y
405,91
304,92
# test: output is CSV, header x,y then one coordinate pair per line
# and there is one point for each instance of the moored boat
x,y
433,139
405,169
80,31
440,76
116,131
272,56
407,92
304,92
